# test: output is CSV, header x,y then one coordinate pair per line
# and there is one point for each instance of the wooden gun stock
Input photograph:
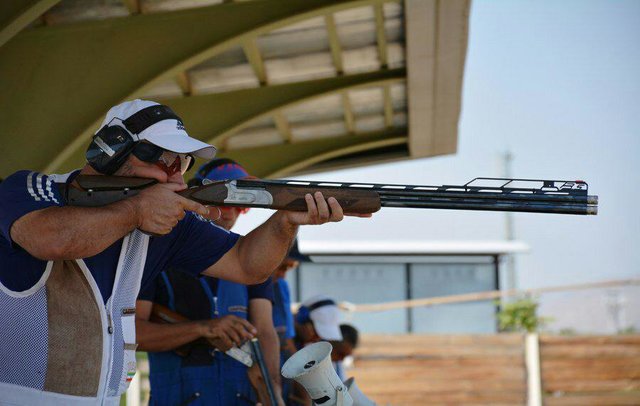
x,y
257,193
103,190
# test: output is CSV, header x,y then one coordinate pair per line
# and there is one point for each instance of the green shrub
x,y
521,315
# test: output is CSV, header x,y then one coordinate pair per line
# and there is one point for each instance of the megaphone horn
x,y
311,367
359,398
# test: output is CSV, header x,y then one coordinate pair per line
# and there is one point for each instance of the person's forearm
x,y
274,237
58,233
155,337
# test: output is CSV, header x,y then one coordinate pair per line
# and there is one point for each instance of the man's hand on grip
x,y
159,208
319,211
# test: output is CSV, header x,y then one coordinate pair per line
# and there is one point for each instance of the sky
x,y
557,83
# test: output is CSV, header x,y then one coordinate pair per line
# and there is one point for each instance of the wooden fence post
x,y
532,360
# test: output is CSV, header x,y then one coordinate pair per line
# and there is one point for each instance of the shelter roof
x,y
284,87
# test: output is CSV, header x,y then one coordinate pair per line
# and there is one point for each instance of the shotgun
x,y
487,194
257,354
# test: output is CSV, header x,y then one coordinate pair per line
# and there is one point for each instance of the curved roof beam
x,y
17,14
102,63
366,146
284,159
215,117
269,100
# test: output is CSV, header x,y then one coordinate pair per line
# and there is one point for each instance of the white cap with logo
x,y
325,316
168,134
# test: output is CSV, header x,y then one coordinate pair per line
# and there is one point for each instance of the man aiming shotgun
x,y
70,275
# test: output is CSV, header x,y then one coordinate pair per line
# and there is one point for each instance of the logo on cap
x,y
180,125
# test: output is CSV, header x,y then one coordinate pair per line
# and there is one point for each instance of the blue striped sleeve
x,y
24,192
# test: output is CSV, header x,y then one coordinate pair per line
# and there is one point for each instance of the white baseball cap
x,y
325,316
168,134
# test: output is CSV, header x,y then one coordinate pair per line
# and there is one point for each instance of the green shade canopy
x,y
283,87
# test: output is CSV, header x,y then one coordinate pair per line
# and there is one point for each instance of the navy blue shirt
x,y
282,317
157,292
193,245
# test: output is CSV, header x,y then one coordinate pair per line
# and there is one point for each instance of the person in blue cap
x,y
310,328
220,310
282,316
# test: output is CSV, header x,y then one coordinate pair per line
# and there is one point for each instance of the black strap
x,y
148,116
322,303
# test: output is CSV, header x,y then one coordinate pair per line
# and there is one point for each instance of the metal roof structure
x,y
363,248
284,87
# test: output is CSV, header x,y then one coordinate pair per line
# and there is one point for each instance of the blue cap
x,y
221,169
294,253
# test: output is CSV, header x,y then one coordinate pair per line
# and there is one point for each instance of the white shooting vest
x,y
60,345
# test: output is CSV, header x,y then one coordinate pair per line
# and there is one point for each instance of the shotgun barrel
x,y
487,194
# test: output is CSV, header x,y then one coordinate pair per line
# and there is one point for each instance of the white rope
x,y
478,296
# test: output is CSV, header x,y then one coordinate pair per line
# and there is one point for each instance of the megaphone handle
x,y
340,397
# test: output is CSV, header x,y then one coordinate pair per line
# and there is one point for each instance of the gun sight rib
x,y
490,194
516,195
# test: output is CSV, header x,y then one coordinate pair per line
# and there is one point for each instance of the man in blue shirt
x,y
202,375
70,275
282,316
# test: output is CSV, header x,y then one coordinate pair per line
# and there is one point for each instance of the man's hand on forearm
x,y
157,337
153,336
222,333
227,331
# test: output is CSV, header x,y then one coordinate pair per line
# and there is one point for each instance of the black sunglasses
x,y
151,153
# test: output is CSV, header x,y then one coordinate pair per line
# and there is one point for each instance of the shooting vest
x,y
60,345
205,376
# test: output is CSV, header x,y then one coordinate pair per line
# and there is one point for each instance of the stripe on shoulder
x,y
30,187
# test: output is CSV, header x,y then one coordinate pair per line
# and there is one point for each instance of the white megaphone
x,y
311,367
359,398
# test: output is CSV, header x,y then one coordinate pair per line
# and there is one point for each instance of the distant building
x,y
382,271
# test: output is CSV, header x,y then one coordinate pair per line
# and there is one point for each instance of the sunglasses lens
x,y
147,152
175,163
170,162
186,162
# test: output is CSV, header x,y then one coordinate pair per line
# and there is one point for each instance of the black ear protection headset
x,y
112,145
206,168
